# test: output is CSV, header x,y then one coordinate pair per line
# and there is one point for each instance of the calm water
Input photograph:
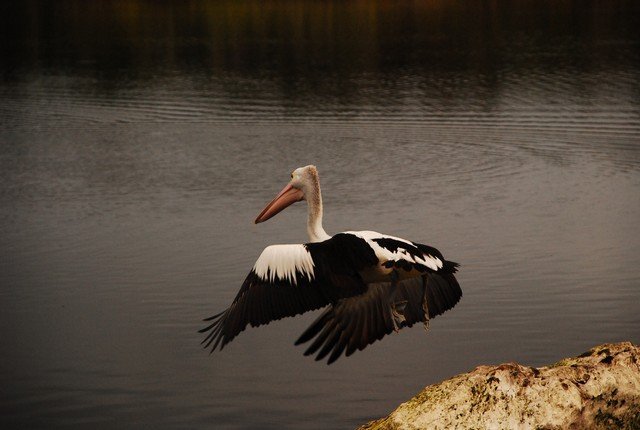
x,y
139,140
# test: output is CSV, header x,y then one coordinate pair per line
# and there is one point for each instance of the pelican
x,y
371,284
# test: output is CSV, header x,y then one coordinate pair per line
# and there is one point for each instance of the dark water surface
x,y
138,141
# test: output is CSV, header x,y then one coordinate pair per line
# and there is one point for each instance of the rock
x,y
599,389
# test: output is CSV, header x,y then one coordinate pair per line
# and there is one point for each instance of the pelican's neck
x,y
314,213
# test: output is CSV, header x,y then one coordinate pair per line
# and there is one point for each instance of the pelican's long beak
x,y
286,197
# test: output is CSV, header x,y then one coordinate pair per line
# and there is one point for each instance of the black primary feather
x,y
356,322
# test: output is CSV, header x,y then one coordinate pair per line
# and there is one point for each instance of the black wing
x,y
270,292
355,322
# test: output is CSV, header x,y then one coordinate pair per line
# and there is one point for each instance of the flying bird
x,y
371,284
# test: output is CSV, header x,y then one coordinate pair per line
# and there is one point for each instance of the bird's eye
x,y
291,175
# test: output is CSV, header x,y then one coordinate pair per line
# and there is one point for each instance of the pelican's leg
x,y
397,309
425,304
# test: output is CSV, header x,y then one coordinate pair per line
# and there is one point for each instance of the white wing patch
x,y
385,254
284,262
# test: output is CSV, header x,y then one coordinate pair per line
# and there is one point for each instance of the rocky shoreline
x,y
599,389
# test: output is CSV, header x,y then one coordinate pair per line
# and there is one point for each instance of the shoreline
x,y
599,389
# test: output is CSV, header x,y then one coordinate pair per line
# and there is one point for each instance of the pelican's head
x,y
303,182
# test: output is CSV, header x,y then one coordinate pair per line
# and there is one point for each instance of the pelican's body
x,y
373,283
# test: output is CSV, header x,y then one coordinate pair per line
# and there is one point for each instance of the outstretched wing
x,y
403,254
288,280
355,322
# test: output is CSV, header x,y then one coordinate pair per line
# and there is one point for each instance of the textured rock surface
x,y
599,389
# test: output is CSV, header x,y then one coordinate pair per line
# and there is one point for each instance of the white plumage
x,y
284,262
384,254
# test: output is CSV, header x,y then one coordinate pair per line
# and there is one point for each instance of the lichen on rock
x,y
599,389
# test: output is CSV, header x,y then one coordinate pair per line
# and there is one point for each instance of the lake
x,y
140,139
